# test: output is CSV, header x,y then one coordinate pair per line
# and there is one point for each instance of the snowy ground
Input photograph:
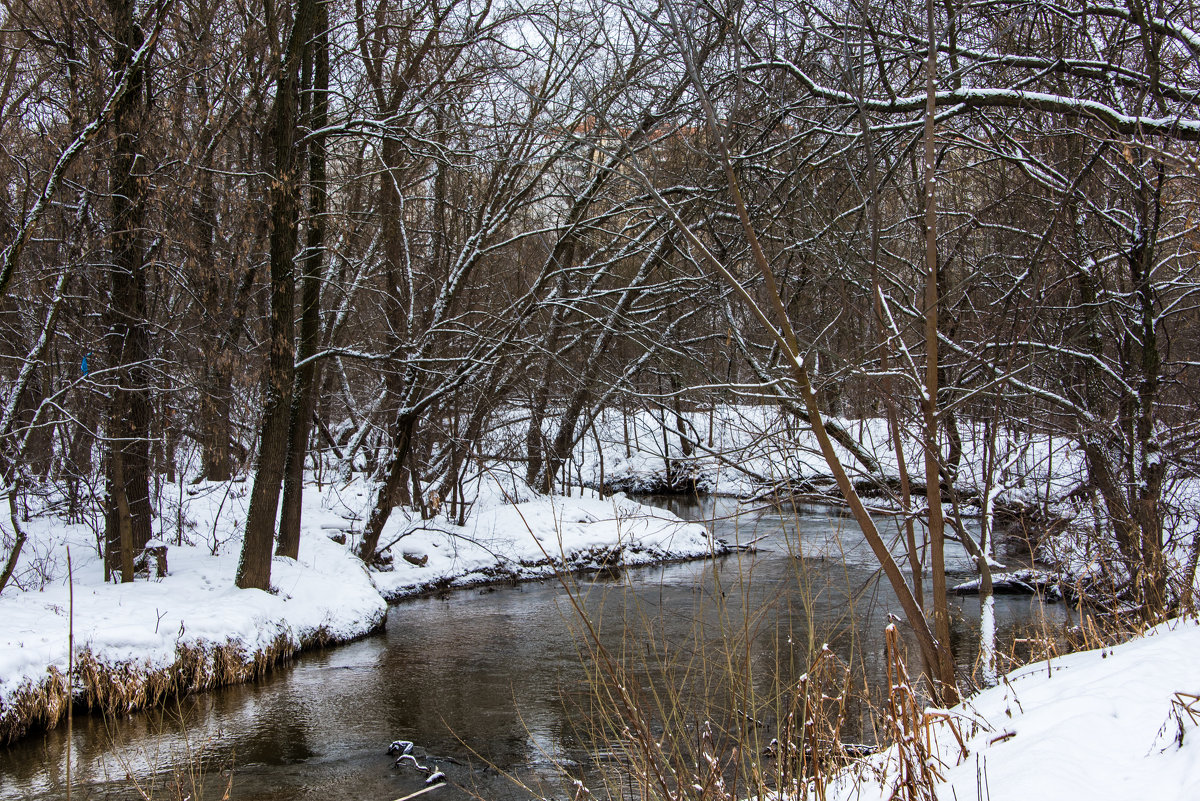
x,y
744,450
758,450
1114,724
142,630
1091,726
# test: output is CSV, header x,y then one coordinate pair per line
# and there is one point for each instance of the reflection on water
x,y
490,682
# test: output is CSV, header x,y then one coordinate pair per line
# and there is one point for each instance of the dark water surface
x,y
491,682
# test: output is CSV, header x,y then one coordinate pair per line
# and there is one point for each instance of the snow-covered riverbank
x,y
747,450
1037,482
138,643
1110,724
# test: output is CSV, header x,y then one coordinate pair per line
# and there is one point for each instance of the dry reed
x,y
117,688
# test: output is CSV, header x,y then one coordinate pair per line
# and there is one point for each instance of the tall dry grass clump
x,y
912,730
745,707
34,706
118,688
809,748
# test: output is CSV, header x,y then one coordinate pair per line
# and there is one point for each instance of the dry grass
x,y
114,689
662,748
34,706
912,731
690,722
715,718
809,748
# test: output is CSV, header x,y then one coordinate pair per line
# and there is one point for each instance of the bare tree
x,y
254,568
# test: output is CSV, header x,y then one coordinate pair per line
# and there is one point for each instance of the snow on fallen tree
x,y
1028,580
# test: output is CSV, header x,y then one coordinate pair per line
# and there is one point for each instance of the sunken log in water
x,y
1025,581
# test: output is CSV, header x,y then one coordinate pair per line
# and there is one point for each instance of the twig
x,y
422,791
1008,735
70,664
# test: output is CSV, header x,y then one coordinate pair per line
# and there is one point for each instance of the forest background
x,y
239,237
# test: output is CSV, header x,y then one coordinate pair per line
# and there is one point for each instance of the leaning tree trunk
x,y
406,425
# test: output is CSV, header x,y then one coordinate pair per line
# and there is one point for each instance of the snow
x,y
326,595
987,641
764,447
1097,725
144,623
756,450
533,539
1102,725
1025,580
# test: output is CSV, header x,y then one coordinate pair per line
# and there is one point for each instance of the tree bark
x,y
254,567
308,377
1149,467
216,361
19,538
933,455
128,341
388,489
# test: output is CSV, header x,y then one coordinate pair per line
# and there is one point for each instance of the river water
x,y
492,684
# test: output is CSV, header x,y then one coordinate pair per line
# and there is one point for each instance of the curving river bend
x,y
490,683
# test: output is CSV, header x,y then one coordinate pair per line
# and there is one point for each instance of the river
x,y
491,685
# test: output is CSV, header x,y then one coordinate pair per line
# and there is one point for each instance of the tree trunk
x,y
254,567
216,360
987,538
19,536
388,489
215,424
128,342
681,422
944,671
1149,467
308,377
891,409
